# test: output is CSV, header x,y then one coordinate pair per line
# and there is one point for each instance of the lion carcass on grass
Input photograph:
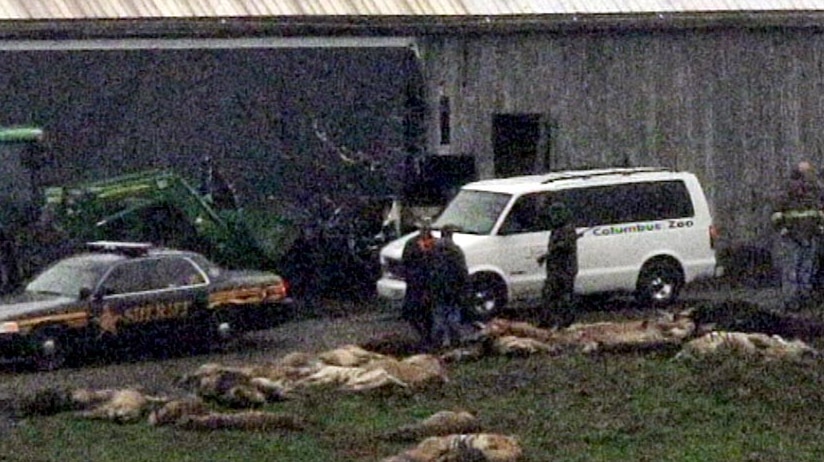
x,y
122,405
441,423
242,386
666,329
490,447
192,413
746,344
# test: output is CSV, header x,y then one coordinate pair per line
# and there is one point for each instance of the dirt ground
x,y
325,325
329,324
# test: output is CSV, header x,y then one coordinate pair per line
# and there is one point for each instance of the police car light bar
x,y
131,248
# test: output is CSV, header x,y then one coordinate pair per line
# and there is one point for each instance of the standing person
x,y
450,283
799,220
818,274
417,266
561,259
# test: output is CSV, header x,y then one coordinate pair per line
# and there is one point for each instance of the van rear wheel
x,y
659,284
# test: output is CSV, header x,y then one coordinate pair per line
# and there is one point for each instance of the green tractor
x,y
43,220
42,223
161,207
22,155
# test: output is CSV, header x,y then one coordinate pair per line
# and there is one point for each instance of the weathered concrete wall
x,y
738,107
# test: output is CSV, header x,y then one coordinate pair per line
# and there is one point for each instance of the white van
x,y
646,231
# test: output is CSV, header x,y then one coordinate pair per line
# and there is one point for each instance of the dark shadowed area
x,y
257,112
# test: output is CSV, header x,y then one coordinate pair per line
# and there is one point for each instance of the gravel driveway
x,y
339,323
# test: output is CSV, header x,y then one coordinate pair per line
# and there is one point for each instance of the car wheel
x,y
659,284
222,330
50,349
488,297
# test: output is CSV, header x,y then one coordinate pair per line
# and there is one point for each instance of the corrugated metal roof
x,y
135,9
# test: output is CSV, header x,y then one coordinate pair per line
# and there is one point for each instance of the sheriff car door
x,y
143,296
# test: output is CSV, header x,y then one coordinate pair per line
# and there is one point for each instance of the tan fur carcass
x,y
668,328
510,345
491,446
384,373
441,423
420,370
794,350
470,353
349,356
500,327
298,361
223,385
517,338
249,420
287,369
352,378
241,386
174,410
754,345
124,405
253,385
193,414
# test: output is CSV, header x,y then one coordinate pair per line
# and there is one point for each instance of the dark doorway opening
x,y
436,178
516,139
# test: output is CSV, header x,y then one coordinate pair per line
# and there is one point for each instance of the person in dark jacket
x,y
450,282
798,218
561,259
417,267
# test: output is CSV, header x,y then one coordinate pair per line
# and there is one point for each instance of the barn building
x,y
732,90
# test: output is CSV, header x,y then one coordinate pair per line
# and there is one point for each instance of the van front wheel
x,y
659,284
488,297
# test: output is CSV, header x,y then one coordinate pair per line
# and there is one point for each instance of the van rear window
x,y
628,202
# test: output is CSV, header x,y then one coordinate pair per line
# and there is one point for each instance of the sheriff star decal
x,y
108,320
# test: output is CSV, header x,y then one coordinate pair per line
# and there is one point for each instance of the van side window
x,y
527,215
628,202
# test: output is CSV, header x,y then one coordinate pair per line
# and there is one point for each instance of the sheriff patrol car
x,y
128,290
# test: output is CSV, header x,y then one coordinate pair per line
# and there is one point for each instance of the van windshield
x,y
475,212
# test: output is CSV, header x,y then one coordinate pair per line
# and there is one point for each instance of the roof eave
x,y
397,25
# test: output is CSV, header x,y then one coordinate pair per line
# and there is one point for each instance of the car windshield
x,y
475,212
67,277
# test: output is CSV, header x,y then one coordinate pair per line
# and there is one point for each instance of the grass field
x,y
612,407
